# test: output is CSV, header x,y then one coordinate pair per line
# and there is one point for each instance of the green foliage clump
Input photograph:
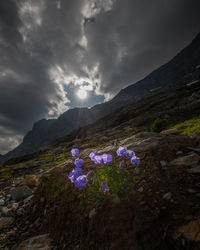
x,y
114,177
6,173
189,127
62,160
158,125
130,131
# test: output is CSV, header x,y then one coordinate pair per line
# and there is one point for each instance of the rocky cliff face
x,y
183,69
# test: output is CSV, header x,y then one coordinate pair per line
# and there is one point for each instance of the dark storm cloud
x,y
135,37
51,47
9,21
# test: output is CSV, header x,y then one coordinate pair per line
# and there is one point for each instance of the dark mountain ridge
x,y
183,69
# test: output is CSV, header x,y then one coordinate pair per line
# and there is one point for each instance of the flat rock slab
x,y
41,242
5,222
20,193
186,161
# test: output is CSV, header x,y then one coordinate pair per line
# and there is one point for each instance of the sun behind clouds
x,y
82,94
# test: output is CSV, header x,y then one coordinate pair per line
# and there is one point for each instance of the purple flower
x,y
104,187
75,173
79,162
121,151
107,158
115,143
94,180
98,159
130,153
81,182
75,151
92,155
89,174
135,160
121,164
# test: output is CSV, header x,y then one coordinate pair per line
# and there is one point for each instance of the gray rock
x,y
20,211
194,149
5,222
167,196
36,243
163,163
2,202
92,213
20,193
6,211
185,161
15,206
194,170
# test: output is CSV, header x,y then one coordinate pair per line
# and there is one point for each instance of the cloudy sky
x,y
52,52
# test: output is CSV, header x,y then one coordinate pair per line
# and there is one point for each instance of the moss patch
x,y
189,127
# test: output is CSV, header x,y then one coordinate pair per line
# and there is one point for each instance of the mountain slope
x,y
183,69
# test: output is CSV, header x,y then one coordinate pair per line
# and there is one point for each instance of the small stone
x,y
36,242
19,193
20,211
137,170
190,190
163,163
179,152
8,196
2,202
92,213
37,222
30,181
42,199
141,189
12,233
15,206
194,170
6,211
5,222
194,149
167,196
172,131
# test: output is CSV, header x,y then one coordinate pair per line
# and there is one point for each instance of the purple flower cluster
x,y
130,154
100,159
80,180
76,175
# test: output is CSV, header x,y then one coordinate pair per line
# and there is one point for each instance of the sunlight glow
x,y
82,94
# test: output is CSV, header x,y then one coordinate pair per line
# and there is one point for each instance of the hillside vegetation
x,y
151,206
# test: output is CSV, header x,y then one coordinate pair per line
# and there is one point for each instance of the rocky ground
x,y
160,209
